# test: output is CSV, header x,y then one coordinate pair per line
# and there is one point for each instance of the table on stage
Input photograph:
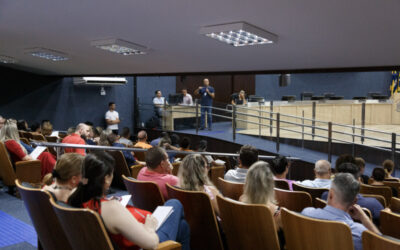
x,y
173,112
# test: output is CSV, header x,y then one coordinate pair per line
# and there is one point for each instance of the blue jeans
x,y
175,227
203,110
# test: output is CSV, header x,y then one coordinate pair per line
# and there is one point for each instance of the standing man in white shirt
x,y
158,102
187,98
112,118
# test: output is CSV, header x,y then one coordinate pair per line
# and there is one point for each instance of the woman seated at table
x,y
66,175
193,176
259,189
240,99
128,227
10,137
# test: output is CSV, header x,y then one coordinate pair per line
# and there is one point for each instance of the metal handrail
x,y
94,147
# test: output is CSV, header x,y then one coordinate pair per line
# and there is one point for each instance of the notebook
x,y
35,153
161,214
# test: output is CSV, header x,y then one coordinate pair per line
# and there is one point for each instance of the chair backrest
x,y
26,135
48,228
282,184
175,168
247,226
6,168
386,192
373,241
204,233
121,168
135,169
293,200
140,156
216,172
395,204
314,192
51,138
146,195
227,161
389,223
84,228
230,189
319,203
24,140
306,233
379,198
38,137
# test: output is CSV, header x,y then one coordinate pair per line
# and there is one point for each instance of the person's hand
x,y
132,153
200,87
27,158
151,223
167,145
356,212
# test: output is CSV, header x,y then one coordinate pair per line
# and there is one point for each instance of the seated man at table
x,y
158,169
322,173
187,98
247,156
342,207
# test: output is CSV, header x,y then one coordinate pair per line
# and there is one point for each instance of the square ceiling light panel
x,y
48,54
120,47
7,59
239,34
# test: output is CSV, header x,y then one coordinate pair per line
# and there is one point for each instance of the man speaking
x,y
207,95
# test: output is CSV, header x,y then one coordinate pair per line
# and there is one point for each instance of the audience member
x,y
66,174
21,125
128,155
90,138
2,121
158,169
156,141
343,159
128,227
322,173
185,144
46,128
142,140
175,140
280,168
71,130
193,176
202,147
35,127
259,189
248,155
125,137
103,140
187,98
112,118
96,135
371,203
388,166
378,176
341,207
82,130
361,164
10,137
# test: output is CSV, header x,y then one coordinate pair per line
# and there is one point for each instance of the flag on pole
x,y
394,86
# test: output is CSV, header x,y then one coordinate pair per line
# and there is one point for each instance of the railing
x,y
278,123
93,147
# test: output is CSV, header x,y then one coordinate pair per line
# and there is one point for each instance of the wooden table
x,y
173,112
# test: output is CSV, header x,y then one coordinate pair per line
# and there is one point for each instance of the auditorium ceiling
x,y
312,34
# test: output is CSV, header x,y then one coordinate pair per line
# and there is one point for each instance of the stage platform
x,y
223,131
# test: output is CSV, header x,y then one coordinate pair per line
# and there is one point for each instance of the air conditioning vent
x,y
100,81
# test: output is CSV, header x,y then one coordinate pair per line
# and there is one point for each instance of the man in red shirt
x,y
82,130
158,169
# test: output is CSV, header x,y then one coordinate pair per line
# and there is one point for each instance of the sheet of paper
x,y
219,162
125,199
35,153
161,214
55,133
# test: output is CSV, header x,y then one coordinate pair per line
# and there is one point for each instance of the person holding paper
x,y
10,137
65,177
128,227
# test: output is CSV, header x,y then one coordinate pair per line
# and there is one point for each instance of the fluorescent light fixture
x,y
120,47
239,34
7,59
48,54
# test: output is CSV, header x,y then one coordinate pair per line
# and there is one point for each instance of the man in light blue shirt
x,y
341,207
322,179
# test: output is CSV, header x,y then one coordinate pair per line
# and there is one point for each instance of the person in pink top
x,y
158,169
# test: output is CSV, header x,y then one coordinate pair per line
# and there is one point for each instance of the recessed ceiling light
x,y
120,47
239,34
7,59
48,54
